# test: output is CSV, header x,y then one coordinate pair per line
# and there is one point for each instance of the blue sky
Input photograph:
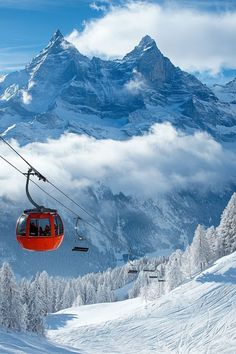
x,y
27,25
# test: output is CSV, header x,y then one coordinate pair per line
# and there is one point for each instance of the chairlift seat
x,y
132,271
80,249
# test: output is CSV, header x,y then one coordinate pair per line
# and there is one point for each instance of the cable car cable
x,y
3,158
58,189
9,145
68,197
42,177
36,184
72,211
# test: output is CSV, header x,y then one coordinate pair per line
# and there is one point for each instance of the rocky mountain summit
x,y
63,90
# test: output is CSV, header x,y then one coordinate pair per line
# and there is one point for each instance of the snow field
x,y
195,318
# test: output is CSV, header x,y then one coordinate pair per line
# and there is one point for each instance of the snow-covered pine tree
x,y
199,250
69,295
141,282
78,301
227,228
104,294
12,311
90,293
24,287
186,266
36,308
59,288
46,292
212,240
174,275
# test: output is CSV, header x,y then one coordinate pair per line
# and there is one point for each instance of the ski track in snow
x,y
195,318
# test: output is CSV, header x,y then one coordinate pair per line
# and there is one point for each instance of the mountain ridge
x,y
63,90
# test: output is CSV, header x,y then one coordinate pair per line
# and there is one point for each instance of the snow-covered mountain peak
x,y
146,46
56,45
145,83
57,36
146,41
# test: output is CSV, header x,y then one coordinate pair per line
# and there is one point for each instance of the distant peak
x,y
144,45
146,41
57,36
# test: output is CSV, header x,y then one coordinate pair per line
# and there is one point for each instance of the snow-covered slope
x,y
227,92
18,343
197,317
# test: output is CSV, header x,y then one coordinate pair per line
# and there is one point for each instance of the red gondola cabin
x,y
38,230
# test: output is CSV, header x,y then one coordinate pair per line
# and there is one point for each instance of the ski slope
x,y
197,317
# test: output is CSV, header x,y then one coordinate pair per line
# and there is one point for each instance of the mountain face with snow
x,y
62,90
227,92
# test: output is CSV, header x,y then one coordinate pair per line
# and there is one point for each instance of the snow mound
x,y
197,317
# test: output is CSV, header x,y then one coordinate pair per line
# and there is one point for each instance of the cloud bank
x,y
195,40
162,161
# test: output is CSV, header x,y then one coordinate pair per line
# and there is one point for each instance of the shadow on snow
x,y
228,277
55,321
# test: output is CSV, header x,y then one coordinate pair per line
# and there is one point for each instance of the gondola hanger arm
x,y
28,174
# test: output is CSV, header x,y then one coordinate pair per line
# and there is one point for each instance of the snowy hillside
x,y
227,92
15,343
198,317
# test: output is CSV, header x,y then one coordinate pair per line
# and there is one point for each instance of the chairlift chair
x,y
82,247
132,270
157,277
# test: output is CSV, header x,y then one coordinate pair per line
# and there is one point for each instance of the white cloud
x,y
159,162
192,39
136,84
26,97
